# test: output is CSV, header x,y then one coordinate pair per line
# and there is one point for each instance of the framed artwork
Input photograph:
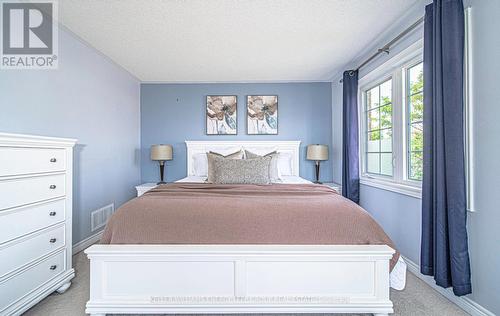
x,y
221,115
262,114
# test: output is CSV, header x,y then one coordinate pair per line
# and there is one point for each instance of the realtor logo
x,y
29,35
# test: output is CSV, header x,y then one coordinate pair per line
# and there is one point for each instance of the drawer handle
x,y
52,186
53,267
53,159
52,240
52,213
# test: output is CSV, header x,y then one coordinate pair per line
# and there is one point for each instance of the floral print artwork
x,y
262,114
221,115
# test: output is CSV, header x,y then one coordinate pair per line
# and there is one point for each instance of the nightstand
x,y
337,187
143,188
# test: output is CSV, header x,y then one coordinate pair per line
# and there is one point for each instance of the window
x,y
391,133
415,101
379,129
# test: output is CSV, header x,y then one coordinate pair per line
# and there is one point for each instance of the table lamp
x,y
318,153
161,153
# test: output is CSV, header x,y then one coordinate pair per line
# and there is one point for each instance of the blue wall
x,y
88,98
484,224
400,215
173,113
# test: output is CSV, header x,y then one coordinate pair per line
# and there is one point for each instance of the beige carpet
x,y
417,299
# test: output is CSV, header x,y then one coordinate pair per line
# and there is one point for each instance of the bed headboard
x,y
196,147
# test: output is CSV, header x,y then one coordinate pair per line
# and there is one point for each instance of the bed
x,y
290,247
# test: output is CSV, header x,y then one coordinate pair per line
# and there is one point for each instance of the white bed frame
x,y
221,279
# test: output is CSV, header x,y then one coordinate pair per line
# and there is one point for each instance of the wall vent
x,y
100,217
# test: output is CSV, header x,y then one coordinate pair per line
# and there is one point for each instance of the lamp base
x,y
162,169
317,173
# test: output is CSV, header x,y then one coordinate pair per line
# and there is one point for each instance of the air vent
x,y
100,217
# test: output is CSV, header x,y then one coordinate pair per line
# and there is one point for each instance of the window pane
x,y
373,119
416,137
416,163
416,78
386,140
416,106
386,164
415,110
386,92
386,116
372,98
378,118
373,163
373,143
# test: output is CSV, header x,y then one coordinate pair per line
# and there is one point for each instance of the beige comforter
x,y
197,213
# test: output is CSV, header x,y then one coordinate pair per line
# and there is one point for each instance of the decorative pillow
x,y
241,171
274,173
228,150
261,151
200,161
210,165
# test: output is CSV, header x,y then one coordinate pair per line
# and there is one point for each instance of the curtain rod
x,y
386,48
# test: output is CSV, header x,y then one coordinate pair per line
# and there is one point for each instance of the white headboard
x,y
196,147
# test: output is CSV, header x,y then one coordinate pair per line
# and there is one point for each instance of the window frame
x,y
396,69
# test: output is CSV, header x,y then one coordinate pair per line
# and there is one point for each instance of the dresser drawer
x,y
14,288
20,160
17,192
19,253
25,220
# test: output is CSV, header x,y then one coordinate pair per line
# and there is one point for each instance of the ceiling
x,y
230,40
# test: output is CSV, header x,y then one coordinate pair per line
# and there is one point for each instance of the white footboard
x,y
239,279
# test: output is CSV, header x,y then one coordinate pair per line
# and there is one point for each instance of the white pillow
x,y
285,164
200,165
200,161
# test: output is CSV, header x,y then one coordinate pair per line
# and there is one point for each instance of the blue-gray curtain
x,y
350,148
444,251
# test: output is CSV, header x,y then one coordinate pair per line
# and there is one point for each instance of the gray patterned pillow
x,y
273,170
210,158
239,171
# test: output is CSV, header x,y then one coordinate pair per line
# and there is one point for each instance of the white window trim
x,y
390,69
393,186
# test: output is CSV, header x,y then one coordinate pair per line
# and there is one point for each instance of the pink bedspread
x,y
198,213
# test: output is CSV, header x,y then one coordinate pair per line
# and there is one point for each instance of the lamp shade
x,y
317,152
161,152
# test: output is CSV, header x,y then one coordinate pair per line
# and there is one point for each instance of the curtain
x,y
444,249
350,147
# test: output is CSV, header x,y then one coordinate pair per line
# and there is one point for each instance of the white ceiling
x,y
230,40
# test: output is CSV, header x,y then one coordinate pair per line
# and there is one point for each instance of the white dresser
x,y
35,219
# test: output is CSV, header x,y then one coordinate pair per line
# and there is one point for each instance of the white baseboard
x,y
463,302
87,242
